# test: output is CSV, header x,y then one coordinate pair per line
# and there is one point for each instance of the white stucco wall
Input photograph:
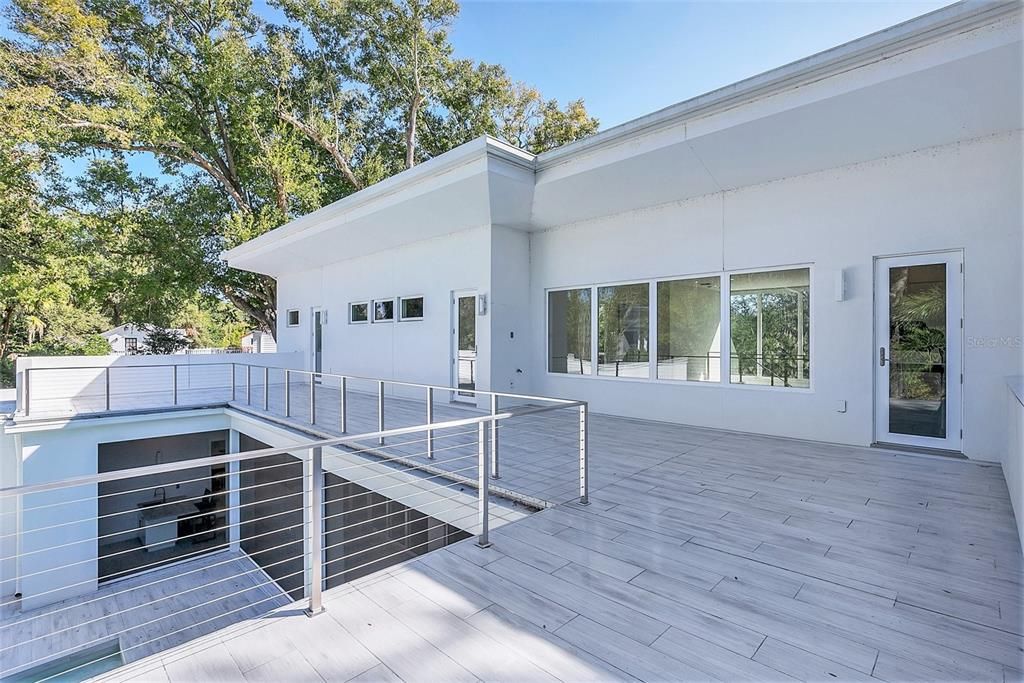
x,y
1013,456
963,196
9,476
509,302
413,351
58,540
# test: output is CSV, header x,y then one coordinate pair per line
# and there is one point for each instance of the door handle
x,y
881,356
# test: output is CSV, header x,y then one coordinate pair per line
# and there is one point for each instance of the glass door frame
x,y
456,396
315,313
953,261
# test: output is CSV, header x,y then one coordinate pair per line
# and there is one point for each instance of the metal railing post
x,y
287,394
233,381
248,385
312,398
343,408
430,420
495,473
483,498
584,457
380,411
266,389
174,384
106,376
316,512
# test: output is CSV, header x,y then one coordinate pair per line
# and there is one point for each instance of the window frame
x,y
373,311
547,330
402,299
722,276
726,329
288,317
595,326
351,305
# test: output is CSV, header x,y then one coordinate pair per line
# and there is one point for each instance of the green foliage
x,y
252,122
161,341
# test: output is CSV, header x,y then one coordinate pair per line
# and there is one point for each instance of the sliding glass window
x,y
569,332
770,323
623,330
689,329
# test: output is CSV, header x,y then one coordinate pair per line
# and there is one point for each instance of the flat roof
x,y
927,28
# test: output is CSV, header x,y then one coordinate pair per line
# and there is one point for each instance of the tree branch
x,y
315,136
170,148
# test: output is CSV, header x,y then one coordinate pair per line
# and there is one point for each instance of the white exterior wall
x,y
9,476
963,196
413,351
1013,456
60,562
509,314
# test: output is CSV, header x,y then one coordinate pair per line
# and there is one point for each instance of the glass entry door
x,y
317,345
464,366
918,309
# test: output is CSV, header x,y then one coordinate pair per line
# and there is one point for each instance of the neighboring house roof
x,y
122,331
942,77
131,331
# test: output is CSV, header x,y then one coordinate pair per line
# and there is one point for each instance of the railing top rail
x,y
441,387
395,382
133,472
143,365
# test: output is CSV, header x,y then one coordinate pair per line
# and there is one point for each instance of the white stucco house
x,y
830,250
747,362
258,341
129,339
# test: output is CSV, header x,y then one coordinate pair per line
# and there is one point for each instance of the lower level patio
x,y
703,555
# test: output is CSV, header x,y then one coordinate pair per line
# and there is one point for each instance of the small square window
x,y
384,311
292,317
358,312
411,308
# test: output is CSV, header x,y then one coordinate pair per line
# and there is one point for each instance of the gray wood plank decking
x,y
704,555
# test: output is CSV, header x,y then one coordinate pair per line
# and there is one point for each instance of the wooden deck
x,y
704,555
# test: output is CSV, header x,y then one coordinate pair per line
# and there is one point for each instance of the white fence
x,y
69,385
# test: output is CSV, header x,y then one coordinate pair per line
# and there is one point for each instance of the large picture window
x,y
623,330
689,329
569,332
769,318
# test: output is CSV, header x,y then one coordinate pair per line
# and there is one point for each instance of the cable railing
x,y
112,569
322,404
326,403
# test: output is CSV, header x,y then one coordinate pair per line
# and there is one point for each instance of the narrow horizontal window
x,y
689,329
384,311
769,319
623,330
358,312
569,332
411,308
292,317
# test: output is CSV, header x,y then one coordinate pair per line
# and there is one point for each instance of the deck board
x,y
704,555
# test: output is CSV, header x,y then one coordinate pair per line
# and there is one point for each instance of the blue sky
x,y
627,59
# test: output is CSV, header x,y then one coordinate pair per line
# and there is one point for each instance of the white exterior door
x,y
463,344
918,337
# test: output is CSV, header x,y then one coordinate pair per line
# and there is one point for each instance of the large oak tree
x,y
252,121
